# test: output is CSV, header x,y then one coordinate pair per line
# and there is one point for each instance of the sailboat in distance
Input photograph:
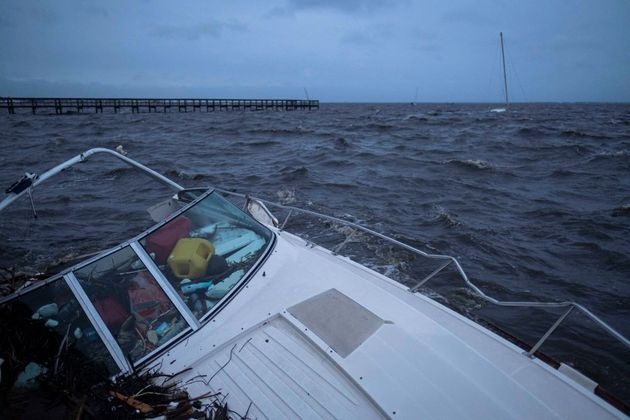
x,y
415,98
505,86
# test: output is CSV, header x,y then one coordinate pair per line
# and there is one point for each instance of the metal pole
x,y
504,73
549,331
430,276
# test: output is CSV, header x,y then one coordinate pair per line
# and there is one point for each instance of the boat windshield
x,y
119,310
134,308
45,331
204,252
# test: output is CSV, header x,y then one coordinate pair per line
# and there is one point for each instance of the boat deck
x,y
422,360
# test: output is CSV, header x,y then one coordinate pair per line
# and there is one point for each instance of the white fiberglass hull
x,y
373,350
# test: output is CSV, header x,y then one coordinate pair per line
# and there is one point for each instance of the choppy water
x,y
534,202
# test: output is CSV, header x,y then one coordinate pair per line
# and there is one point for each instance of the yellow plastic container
x,y
189,258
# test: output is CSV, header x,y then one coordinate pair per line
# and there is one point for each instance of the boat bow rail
x,y
445,261
30,181
26,184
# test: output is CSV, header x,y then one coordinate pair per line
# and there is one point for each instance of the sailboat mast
x,y
504,73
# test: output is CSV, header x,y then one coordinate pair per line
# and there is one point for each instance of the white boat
x,y
505,85
228,301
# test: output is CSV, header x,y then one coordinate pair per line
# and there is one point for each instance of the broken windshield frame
x,y
175,311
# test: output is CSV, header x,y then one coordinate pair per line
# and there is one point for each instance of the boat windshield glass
x,y
46,332
131,303
207,250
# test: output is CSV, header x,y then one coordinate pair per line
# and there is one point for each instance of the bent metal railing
x,y
446,261
29,181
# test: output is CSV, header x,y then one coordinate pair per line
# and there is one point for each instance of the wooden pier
x,y
133,105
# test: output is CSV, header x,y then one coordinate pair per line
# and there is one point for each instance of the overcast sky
x,y
339,50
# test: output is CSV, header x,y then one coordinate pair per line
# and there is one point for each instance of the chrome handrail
x,y
447,259
35,180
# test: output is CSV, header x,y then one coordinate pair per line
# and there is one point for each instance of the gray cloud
x,y
40,13
372,35
211,28
353,50
94,10
346,6
470,17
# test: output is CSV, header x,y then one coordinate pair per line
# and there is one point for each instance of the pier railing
x,y
137,105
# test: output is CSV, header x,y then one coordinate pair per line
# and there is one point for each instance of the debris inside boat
x,y
218,312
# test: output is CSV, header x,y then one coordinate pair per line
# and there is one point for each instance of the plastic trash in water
x,y
78,333
51,323
90,334
28,377
46,311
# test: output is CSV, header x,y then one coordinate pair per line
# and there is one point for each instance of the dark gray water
x,y
534,202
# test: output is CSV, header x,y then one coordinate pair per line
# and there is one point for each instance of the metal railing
x,y
446,261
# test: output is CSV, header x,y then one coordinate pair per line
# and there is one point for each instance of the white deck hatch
x,y
338,320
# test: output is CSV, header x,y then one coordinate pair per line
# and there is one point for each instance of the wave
x,y
181,174
444,217
87,124
293,174
547,213
581,134
339,185
380,126
257,144
120,171
531,132
621,211
286,196
298,130
341,143
21,124
476,164
561,173
337,163
56,141
610,155
415,117
542,131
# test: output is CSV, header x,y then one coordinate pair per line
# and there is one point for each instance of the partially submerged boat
x,y
225,301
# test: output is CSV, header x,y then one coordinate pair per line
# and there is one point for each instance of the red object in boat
x,y
162,241
147,300
112,312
